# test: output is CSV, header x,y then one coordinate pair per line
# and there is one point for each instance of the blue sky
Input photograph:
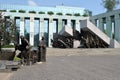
x,y
94,5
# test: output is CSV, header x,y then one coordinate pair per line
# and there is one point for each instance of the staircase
x,y
86,25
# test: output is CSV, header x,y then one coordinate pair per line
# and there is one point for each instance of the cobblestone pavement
x,y
74,64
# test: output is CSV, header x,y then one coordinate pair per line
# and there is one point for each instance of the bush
x,y
68,14
59,13
41,12
32,12
8,46
21,11
12,10
85,15
77,14
2,10
50,13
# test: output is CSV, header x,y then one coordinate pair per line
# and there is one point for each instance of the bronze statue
x,y
42,50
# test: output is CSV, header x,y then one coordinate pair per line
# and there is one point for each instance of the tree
x,y
110,4
7,30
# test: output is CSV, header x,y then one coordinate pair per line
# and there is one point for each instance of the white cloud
x,y
32,3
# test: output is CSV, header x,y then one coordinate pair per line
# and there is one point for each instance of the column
x,y
100,24
77,27
31,31
69,23
117,27
59,25
41,28
21,27
50,34
109,27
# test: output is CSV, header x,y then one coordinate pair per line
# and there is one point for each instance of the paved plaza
x,y
72,64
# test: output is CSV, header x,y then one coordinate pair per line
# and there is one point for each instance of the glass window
x,y
46,30
97,22
17,23
73,24
113,26
104,24
36,31
112,18
27,28
54,26
64,22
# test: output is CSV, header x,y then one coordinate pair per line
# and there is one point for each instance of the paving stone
x,y
6,65
74,64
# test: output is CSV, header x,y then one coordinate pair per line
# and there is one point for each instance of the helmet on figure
x,y
42,38
22,37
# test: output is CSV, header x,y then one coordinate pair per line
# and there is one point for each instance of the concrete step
x,y
6,65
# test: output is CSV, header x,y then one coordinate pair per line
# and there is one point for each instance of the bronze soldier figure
x,y
42,50
23,47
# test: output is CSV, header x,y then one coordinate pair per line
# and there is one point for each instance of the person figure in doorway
x,y
42,50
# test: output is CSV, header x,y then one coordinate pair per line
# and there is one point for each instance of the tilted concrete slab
x,y
66,31
87,25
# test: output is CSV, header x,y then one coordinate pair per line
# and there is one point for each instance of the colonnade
x,y
53,25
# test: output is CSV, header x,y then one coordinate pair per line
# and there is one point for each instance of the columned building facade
x,y
33,25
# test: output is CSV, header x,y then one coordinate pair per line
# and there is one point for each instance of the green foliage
x,y
2,10
41,12
85,15
77,14
59,13
110,4
68,14
21,11
50,13
8,46
12,10
16,58
7,30
32,12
